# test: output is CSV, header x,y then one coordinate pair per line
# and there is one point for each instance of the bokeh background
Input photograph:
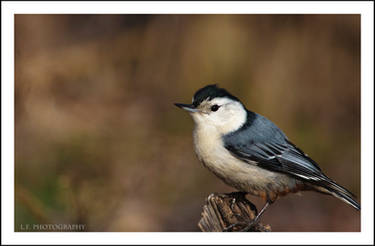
x,y
100,143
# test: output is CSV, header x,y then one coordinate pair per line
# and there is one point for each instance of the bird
x,y
250,153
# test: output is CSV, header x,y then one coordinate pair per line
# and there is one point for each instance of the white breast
x,y
241,175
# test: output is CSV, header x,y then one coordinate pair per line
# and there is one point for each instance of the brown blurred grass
x,y
99,142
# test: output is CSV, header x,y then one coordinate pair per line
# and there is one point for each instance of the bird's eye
x,y
214,107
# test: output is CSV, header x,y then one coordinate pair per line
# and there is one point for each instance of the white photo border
x,y
365,9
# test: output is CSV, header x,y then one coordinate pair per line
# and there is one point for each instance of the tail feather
x,y
338,191
348,199
339,188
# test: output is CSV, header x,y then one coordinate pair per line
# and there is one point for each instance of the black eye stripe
x,y
215,107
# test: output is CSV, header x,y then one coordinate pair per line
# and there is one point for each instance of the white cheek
x,y
229,120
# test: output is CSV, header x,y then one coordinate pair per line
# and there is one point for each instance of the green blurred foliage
x,y
99,142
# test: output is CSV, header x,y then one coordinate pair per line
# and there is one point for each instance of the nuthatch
x,y
250,153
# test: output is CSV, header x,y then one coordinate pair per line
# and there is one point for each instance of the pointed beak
x,y
187,107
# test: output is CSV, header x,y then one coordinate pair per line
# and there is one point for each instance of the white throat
x,y
211,127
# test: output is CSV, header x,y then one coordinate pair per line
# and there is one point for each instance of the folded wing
x,y
265,144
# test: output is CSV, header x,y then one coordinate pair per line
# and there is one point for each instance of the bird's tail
x,y
330,187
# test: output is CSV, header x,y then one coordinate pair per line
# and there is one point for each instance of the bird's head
x,y
214,107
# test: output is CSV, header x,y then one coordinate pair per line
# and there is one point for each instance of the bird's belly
x,y
241,175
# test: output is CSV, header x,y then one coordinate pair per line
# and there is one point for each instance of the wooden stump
x,y
224,210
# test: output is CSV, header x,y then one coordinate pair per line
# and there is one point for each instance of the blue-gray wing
x,y
279,157
262,142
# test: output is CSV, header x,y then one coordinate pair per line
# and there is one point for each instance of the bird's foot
x,y
241,196
236,196
230,227
249,226
245,226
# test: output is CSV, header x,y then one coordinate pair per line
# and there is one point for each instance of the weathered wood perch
x,y
233,210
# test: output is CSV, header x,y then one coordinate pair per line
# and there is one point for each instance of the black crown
x,y
210,92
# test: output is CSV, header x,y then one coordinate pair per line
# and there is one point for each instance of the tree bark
x,y
229,212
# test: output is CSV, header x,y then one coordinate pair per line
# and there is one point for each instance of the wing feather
x,y
265,144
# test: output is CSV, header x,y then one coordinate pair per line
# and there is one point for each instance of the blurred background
x,y
100,143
